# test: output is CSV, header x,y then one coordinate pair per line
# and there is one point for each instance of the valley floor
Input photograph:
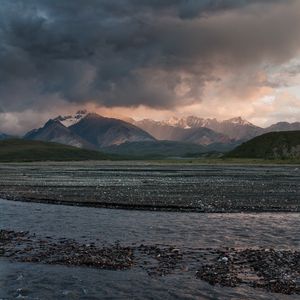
x,y
156,186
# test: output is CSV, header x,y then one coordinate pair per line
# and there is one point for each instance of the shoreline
x,y
184,162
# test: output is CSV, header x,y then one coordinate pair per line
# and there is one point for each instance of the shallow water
x,y
184,230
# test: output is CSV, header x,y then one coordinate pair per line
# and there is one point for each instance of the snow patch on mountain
x,y
70,120
196,122
239,121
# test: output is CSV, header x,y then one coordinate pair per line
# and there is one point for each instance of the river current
x,y
107,226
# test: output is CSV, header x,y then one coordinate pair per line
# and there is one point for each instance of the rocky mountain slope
x,y
54,131
104,132
197,135
89,131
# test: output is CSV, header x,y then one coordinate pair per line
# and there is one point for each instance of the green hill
x,y
273,145
17,150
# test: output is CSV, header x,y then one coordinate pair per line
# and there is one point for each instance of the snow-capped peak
x,y
173,121
197,122
72,119
239,121
187,122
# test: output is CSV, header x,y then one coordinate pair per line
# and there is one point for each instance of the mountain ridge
x,y
102,131
90,131
192,121
55,131
235,128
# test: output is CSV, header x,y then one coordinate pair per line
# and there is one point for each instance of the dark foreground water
x,y
105,226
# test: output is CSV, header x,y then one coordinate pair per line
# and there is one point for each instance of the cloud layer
x,y
161,54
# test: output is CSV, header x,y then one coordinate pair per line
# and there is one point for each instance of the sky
x,y
149,59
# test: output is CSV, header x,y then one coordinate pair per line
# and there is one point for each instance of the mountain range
x,y
186,135
234,129
197,135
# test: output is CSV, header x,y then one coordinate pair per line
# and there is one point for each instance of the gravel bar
x,y
202,188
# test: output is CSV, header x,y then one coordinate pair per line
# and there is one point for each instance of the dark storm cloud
x,y
131,52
